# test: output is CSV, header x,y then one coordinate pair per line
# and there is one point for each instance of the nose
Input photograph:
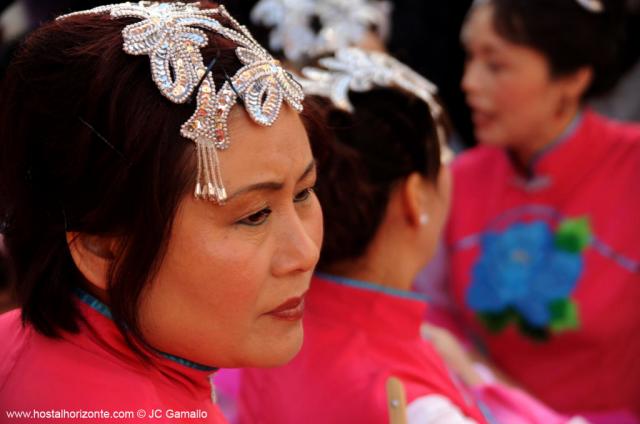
x,y
470,79
298,247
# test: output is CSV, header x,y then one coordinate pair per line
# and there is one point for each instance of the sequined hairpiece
x,y
172,34
353,69
342,23
594,6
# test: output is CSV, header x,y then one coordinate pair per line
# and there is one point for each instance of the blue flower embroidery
x,y
527,274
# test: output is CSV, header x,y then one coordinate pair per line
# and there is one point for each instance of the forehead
x,y
479,35
258,153
479,30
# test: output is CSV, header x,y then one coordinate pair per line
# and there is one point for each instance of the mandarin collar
x,y
568,159
99,332
378,310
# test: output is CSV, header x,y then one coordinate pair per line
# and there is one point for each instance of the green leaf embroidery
x,y
496,322
564,315
537,334
573,235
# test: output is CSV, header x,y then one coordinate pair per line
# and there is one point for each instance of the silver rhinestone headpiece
x,y
353,69
172,34
342,23
594,6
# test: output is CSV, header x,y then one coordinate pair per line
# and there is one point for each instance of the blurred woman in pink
x,y
543,235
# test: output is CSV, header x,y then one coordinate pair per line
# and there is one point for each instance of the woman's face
x,y
508,87
229,269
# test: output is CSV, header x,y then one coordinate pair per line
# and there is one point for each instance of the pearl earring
x,y
424,219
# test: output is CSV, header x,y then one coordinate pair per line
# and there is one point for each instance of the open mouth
x,y
481,119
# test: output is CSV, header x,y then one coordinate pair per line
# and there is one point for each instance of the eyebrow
x,y
487,50
272,185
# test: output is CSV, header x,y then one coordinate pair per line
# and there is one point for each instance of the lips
x,y
481,118
291,310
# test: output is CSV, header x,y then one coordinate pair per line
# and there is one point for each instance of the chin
x,y
486,138
278,351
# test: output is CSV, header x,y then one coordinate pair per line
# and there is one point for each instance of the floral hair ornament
x,y
342,23
172,34
594,6
354,69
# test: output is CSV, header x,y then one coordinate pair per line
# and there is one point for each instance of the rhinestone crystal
x,y
171,34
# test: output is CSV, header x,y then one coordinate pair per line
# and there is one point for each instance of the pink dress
x,y
356,336
93,375
545,270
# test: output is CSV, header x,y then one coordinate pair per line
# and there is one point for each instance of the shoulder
x,y
354,383
10,324
620,144
10,327
476,169
476,159
477,174
620,136
295,394
43,372
14,337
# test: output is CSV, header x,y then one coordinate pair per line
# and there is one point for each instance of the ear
x,y
415,196
577,83
93,256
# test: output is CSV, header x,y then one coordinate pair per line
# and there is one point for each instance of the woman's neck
x,y
388,270
525,151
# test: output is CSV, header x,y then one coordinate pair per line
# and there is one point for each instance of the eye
x,y
303,195
257,218
495,67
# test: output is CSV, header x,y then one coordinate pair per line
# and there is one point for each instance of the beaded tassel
x,y
209,184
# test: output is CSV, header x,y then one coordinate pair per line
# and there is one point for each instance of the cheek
x,y
519,109
211,269
203,301
522,93
513,96
315,224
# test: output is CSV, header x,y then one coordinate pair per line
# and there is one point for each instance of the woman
x,y
385,197
135,282
542,238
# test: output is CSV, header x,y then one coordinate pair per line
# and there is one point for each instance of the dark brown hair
x,y
362,155
88,144
568,35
